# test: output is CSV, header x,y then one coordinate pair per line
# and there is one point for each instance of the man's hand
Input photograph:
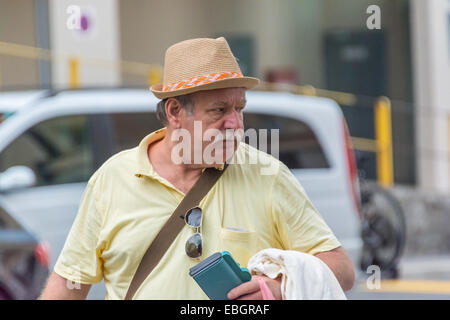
x,y
250,290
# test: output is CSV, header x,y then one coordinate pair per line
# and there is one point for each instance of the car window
x,y
299,147
5,115
60,150
131,128
3,224
2,117
7,222
57,150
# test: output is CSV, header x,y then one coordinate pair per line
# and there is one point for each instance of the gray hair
x,y
186,102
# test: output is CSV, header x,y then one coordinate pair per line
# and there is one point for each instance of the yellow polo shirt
x,y
126,203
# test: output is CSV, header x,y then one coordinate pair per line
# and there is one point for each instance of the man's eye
x,y
219,110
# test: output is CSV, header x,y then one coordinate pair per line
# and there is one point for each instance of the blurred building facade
x,y
18,25
302,38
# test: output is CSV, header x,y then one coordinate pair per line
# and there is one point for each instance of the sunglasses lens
x,y
194,246
194,217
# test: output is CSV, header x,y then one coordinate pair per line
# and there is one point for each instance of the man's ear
x,y
173,112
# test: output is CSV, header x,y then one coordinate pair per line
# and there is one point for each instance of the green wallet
x,y
218,274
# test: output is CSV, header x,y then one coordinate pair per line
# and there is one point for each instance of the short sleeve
x,y
80,260
300,227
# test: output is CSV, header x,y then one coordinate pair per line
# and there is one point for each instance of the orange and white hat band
x,y
197,81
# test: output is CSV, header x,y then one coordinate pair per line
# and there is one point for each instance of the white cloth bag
x,y
304,276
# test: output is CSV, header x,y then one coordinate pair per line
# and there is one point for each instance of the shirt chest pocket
x,y
241,245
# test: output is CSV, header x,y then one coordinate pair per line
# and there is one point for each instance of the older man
x,y
129,199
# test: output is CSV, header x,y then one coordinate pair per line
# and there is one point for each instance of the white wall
x,y
431,71
99,42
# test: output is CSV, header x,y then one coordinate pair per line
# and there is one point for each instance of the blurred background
x,y
386,63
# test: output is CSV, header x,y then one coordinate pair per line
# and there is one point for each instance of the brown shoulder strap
x,y
172,228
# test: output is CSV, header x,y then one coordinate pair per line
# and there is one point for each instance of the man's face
x,y
215,111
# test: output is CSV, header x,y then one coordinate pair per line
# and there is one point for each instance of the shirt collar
x,y
145,168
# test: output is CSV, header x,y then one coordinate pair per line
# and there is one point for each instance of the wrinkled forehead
x,y
226,97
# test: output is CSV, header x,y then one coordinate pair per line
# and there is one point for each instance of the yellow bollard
x,y
73,73
383,136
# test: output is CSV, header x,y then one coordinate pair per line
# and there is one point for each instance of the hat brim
x,y
246,82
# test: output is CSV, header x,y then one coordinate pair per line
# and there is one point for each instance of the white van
x,y
51,142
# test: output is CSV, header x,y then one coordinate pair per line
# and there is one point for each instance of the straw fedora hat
x,y
200,64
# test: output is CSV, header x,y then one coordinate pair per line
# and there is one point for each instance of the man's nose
x,y
233,120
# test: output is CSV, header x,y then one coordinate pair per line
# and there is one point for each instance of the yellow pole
x,y
309,91
73,73
383,136
154,76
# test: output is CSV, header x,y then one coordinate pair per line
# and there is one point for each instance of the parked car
x,y
51,142
23,261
